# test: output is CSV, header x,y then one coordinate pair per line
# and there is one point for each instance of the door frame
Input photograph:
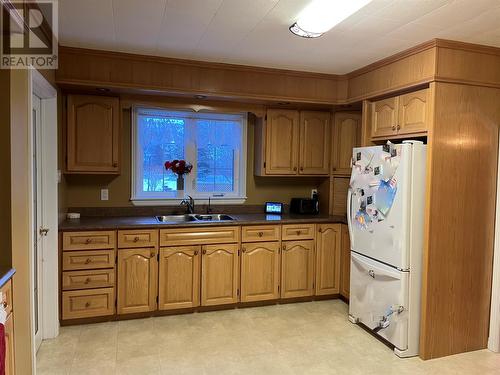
x,y
494,334
49,323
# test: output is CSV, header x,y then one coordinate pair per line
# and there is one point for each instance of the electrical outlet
x,y
314,192
104,194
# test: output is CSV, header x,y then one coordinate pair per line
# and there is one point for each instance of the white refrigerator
x,y
385,213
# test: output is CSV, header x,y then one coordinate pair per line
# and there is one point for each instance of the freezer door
x,y
379,299
378,203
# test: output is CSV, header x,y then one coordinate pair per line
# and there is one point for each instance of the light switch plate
x,y
104,194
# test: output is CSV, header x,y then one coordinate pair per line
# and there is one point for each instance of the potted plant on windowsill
x,y
180,168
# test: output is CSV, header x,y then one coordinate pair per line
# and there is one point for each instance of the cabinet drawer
x,y
88,303
7,297
88,279
260,233
84,260
199,236
298,232
88,240
137,238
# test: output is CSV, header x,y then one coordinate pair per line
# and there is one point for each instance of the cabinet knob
x,y
5,304
136,239
153,254
87,280
334,168
87,304
260,234
204,252
301,168
88,240
243,249
398,127
88,260
393,127
284,247
298,233
295,169
115,164
196,252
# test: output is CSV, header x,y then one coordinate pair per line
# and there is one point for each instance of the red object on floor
x,y
2,349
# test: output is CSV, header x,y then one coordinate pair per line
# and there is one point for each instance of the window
x,y
214,143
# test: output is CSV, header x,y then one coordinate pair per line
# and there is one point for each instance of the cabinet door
x,y
179,285
92,134
219,274
137,280
346,136
385,117
413,112
9,345
297,269
314,154
260,271
282,142
328,244
345,262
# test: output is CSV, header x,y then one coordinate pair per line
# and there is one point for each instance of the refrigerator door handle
x,y
349,222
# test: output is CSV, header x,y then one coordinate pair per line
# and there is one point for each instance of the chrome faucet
x,y
189,203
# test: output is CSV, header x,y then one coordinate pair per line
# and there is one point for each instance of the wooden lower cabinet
x,y
88,303
328,243
260,266
219,274
345,261
297,269
179,277
137,280
9,346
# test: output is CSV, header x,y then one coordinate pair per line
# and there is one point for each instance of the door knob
x,y
43,231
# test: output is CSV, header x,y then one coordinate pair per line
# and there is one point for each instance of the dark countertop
x,y
6,274
134,222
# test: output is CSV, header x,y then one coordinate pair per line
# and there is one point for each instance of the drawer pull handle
x,y
298,233
88,240
261,234
87,304
136,239
88,260
87,280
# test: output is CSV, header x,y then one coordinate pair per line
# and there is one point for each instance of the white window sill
x,y
177,201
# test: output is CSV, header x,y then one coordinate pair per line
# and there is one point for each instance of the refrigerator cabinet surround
x,y
389,249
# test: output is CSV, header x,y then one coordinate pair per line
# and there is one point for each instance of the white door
x,y
38,230
378,203
379,299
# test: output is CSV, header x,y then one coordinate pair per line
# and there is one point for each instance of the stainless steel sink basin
x,y
213,217
189,218
176,218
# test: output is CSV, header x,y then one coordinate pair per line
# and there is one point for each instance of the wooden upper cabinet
x,y
260,271
137,280
282,142
297,269
328,244
92,135
314,142
413,112
179,275
385,117
219,274
346,135
345,261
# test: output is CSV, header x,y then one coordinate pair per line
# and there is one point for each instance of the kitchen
x,y
223,209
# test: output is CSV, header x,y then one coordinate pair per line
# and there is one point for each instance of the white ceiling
x,y
255,32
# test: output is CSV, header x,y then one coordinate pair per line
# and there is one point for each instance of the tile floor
x,y
304,338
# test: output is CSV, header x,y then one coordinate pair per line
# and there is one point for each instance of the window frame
x,y
159,198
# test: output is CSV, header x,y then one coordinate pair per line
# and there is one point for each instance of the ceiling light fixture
x,y
321,15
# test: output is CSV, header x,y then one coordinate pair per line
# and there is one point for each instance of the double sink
x,y
193,218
